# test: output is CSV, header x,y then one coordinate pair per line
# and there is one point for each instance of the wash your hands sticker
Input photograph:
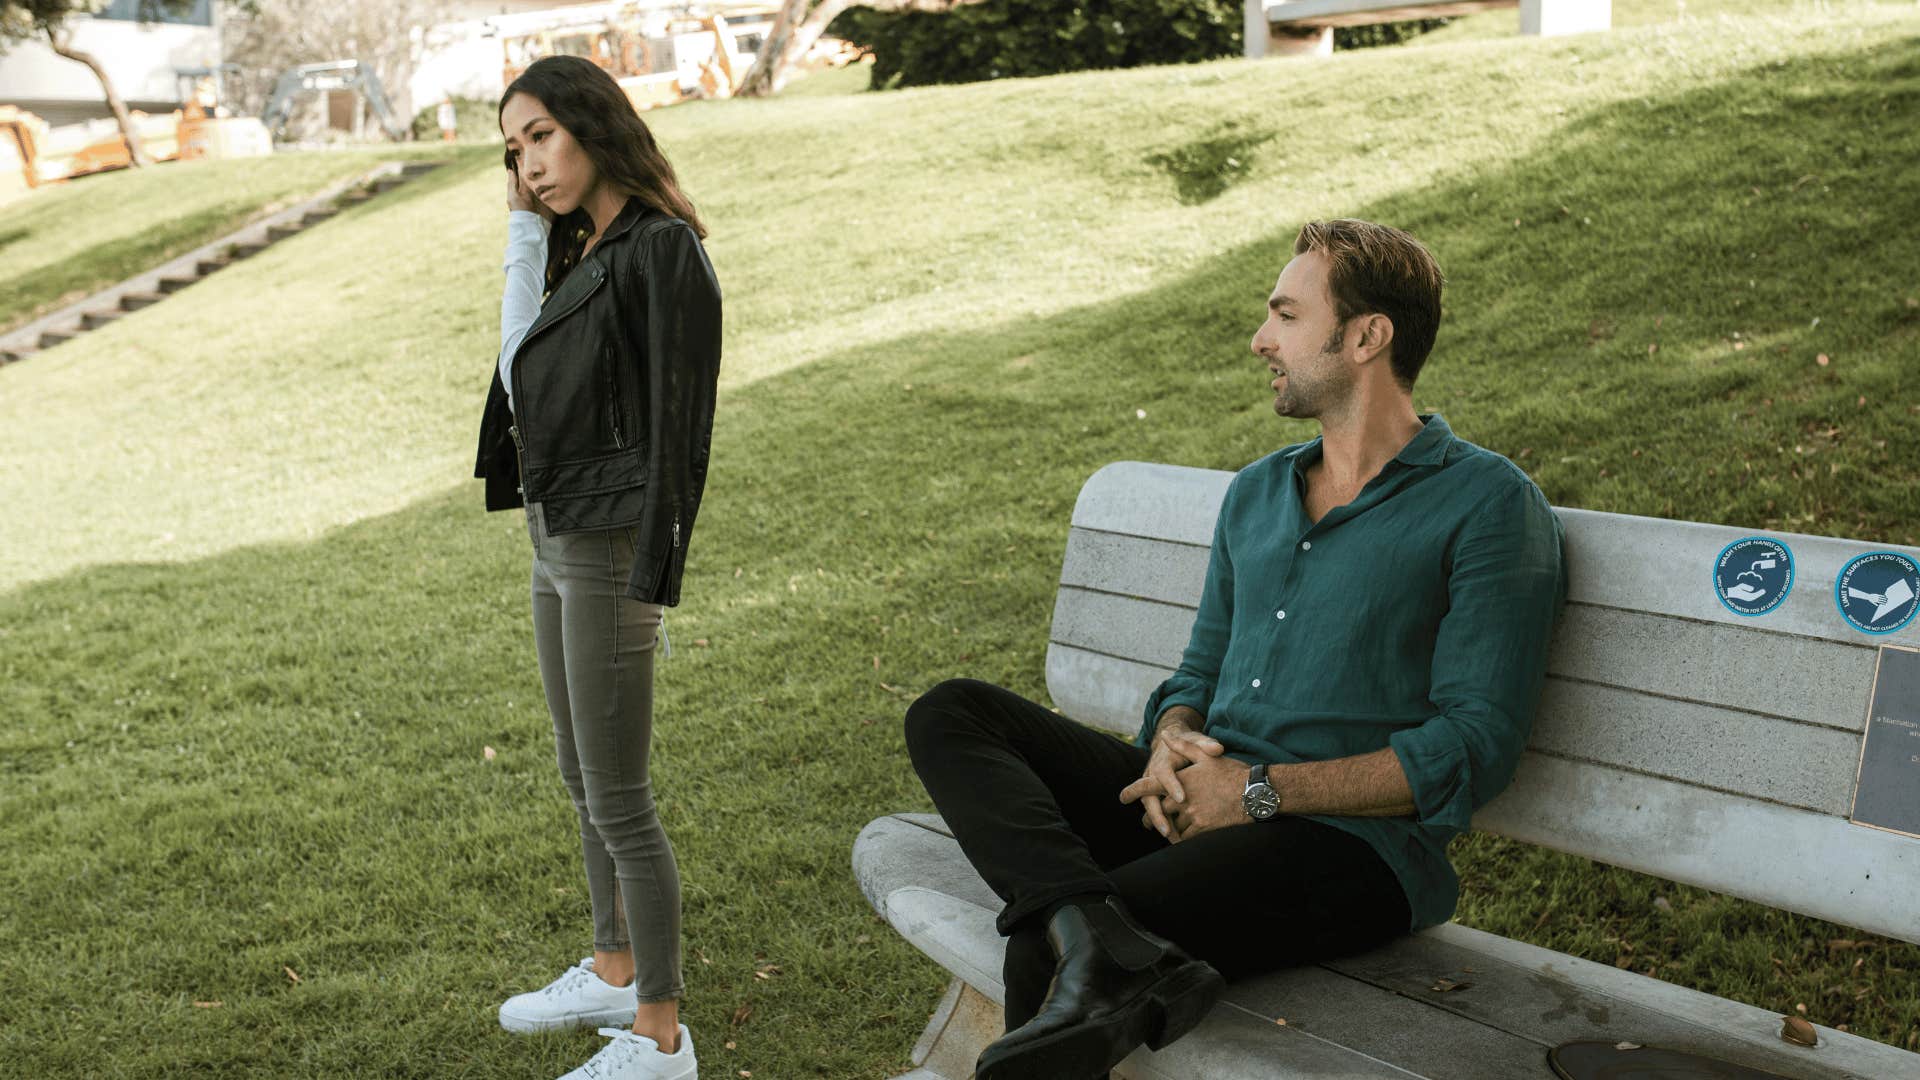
x,y
1754,575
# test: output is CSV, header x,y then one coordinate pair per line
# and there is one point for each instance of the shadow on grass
x,y
1203,170
272,760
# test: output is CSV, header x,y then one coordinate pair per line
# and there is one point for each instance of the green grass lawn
x,y
73,239
256,631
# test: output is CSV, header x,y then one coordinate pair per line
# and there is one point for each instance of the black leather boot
x,y
1114,987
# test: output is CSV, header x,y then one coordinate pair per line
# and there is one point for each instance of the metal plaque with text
x,y
1887,792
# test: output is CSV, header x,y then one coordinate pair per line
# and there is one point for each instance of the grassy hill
x,y
256,631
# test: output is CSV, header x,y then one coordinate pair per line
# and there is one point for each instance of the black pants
x,y
1034,800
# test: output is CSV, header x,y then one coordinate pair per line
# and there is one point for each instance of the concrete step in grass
x,y
166,286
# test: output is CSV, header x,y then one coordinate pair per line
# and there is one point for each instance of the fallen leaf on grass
x,y
740,1015
291,974
731,1045
208,1004
1821,360
487,752
700,643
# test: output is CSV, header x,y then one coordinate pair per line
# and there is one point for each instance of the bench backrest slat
x,y
1705,723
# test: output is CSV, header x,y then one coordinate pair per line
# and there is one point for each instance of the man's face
x,y
1303,343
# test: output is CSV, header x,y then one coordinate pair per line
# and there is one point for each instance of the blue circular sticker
x,y
1753,576
1878,592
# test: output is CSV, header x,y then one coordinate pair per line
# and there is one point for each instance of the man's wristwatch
x,y
1260,801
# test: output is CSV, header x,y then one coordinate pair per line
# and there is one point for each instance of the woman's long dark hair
x,y
587,102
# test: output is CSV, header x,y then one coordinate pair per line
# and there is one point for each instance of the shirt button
x,y
1256,684
1280,614
1306,545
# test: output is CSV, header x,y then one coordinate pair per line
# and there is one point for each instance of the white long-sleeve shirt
x,y
526,267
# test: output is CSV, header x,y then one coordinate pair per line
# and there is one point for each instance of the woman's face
x,y
549,161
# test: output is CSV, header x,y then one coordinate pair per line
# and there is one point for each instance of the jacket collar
x,y
630,214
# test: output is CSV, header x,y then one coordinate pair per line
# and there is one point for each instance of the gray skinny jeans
x,y
596,663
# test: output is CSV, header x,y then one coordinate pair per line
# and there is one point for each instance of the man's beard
x,y
1313,402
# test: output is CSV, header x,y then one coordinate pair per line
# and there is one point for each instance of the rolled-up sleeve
x,y
1505,588
1192,683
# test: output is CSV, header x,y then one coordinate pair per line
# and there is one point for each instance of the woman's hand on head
x,y
520,198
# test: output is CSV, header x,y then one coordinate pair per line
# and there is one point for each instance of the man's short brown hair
x,y
1380,269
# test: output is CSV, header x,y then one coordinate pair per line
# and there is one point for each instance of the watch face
x,y
1261,802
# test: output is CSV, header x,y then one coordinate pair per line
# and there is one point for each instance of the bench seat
x,y
1366,1016
1305,27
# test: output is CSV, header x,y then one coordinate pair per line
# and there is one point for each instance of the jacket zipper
x,y
613,401
519,442
676,530
519,459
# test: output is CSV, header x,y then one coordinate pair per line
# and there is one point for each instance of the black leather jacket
x,y
614,387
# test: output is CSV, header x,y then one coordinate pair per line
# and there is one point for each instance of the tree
x,y
21,20
800,23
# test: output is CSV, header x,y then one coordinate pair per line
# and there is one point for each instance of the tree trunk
x,y
791,36
136,150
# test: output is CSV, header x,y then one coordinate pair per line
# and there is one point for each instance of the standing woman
x,y
598,422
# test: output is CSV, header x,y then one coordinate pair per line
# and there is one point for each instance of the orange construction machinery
x,y
32,154
658,56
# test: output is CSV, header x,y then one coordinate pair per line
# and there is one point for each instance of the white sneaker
x,y
636,1057
578,998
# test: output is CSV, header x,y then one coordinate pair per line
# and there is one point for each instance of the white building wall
x,y
140,59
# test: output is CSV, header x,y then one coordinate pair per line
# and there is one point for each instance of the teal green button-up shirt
x,y
1416,616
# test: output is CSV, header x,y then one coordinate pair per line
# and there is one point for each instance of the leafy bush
x,y
1003,38
1366,37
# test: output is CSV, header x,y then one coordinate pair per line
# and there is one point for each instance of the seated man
x,y
1367,656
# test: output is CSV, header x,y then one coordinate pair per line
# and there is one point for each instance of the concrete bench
x,y
1305,27
1674,738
